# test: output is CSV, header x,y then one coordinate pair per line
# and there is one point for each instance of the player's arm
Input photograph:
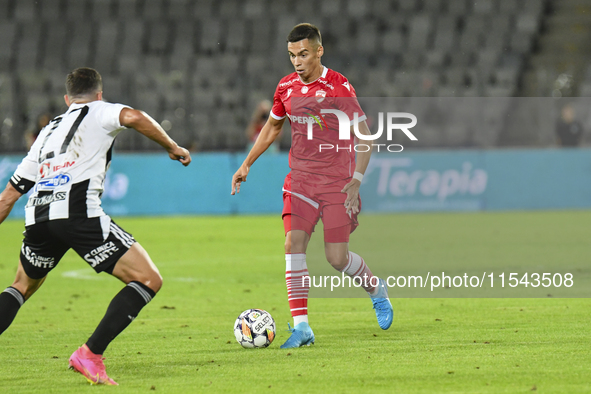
x,y
7,200
361,163
22,180
147,126
267,136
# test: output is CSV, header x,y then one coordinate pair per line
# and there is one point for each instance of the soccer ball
x,y
254,328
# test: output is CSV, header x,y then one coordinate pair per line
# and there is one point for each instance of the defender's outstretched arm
x,y
147,126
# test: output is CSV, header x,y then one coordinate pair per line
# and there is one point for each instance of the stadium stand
x,y
201,66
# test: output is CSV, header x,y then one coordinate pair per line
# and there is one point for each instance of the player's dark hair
x,y
83,81
305,30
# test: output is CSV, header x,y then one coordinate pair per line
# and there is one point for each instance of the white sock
x,y
297,288
299,319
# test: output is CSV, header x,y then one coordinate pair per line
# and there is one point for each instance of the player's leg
x,y
136,269
338,226
109,248
137,266
296,242
343,260
14,296
296,270
40,253
297,235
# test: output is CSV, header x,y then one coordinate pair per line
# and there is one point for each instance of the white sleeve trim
x,y
359,120
277,117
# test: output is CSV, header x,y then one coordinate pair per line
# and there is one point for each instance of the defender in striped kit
x,y
65,173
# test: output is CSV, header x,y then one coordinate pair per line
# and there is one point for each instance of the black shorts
x,y
99,241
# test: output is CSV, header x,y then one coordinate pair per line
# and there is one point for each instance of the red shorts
x,y
308,197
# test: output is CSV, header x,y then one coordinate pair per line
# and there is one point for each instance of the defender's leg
x,y
14,296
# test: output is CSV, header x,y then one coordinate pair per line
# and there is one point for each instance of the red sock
x,y
297,287
356,268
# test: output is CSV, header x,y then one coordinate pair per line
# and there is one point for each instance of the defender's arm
x,y
147,126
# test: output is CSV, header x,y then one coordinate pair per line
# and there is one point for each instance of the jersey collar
x,y
324,72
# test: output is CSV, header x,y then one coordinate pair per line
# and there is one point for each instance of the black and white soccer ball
x,y
254,328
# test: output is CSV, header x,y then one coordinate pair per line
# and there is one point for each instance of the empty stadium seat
x,y
25,10
233,52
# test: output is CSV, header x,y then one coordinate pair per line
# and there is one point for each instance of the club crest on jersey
x,y
320,95
44,170
289,92
304,89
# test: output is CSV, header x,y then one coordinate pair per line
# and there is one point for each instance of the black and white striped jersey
x,y
66,165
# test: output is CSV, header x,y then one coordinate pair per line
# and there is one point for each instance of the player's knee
x,y
338,260
151,279
155,282
297,243
25,285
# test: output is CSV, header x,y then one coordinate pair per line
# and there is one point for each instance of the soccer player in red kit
x,y
323,183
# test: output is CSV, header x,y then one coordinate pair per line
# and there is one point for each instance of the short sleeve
x,y
278,111
348,102
108,116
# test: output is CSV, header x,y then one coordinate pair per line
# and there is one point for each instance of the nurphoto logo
x,y
345,126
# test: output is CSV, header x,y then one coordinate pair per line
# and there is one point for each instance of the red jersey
x,y
331,91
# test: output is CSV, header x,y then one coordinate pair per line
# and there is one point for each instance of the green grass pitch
x,y
216,267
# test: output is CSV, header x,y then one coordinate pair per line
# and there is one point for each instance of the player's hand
x,y
181,154
352,201
239,177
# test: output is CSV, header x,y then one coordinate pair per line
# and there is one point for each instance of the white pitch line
x,y
86,274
